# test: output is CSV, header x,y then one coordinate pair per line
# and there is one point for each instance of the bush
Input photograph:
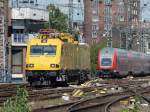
x,y
17,104
94,53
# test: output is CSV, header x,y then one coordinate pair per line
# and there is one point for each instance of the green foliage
x,y
131,110
57,19
125,110
136,107
17,104
94,53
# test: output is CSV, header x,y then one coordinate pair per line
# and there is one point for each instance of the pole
x,y
129,30
108,22
70,15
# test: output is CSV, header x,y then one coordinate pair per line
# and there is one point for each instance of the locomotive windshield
x,y
36,50
106,62
49,50
43,50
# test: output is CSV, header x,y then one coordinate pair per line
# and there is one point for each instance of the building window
x,y
31,1
120,18
34,14
95,27
1,4
95,18
148,45
95,7
25,1
94,34
135,4
79,1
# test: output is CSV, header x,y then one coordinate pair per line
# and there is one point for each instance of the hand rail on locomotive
x,y
48,33
45,34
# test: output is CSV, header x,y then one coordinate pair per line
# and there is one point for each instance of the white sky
x,y
145,9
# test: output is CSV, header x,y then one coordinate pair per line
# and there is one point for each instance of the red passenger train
x,y
113,62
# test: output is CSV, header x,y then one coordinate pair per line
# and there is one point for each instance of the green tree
x,y
94,53
57,19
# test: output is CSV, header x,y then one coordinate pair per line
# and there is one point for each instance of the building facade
x,y
120,17
4,54
133,22
28,17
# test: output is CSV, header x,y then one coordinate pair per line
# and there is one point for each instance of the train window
x,y
106,62
36,50
43,50
49,50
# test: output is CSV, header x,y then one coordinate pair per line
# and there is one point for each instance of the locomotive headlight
x,y
115,70
29,65
52,65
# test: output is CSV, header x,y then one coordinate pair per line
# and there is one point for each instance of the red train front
x,y
107,64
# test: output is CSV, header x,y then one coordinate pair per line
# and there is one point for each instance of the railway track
x,y
56,108
40,94
96,104
34,95
103,103
140,94
8,90
78,106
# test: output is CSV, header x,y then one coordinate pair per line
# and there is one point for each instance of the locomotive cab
x,y
43,59
107,63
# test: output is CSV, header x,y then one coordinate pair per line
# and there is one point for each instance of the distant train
x,y
113,62
49,59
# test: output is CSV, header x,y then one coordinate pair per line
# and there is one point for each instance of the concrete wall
x,y
30,13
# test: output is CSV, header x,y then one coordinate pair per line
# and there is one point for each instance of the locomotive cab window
x,y
106,62
43,50
36,50
49,50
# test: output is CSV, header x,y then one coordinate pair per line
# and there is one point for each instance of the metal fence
x,y
19,38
